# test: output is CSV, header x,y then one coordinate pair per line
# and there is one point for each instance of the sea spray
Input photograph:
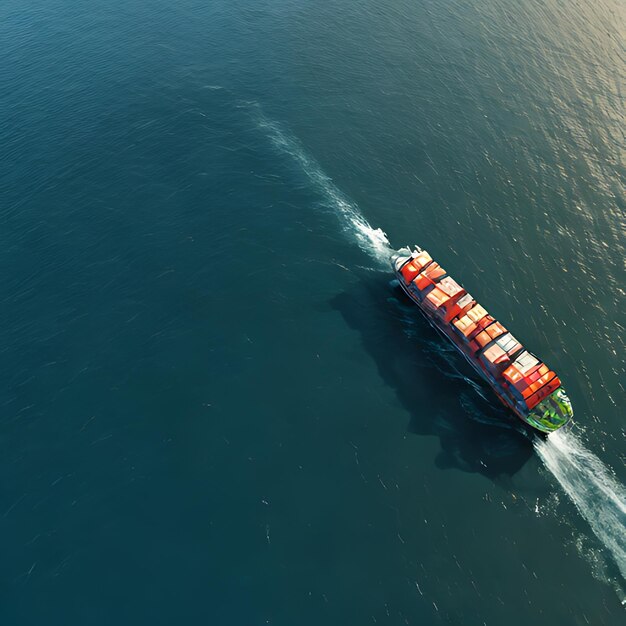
x,y
592,487
373,241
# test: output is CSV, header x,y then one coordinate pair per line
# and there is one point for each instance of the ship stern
x,y
551,413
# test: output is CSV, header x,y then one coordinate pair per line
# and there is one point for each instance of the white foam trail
x,y
595,491
371,240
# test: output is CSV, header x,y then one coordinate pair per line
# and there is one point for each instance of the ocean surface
x,y
216,407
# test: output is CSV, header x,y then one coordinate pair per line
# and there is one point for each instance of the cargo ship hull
x,y
523,384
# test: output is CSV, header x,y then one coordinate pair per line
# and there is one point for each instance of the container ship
x,y
522,382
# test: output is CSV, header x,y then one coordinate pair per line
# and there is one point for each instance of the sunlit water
x,y
592,487
217,408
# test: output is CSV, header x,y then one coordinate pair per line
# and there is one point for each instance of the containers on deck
x,y
522,382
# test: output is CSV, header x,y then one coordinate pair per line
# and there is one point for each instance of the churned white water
x,y
592,487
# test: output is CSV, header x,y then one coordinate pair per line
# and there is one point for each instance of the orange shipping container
x,y
465,325
476,313
409,272
437,297
422,281
513,375
415,266
543,393
496,329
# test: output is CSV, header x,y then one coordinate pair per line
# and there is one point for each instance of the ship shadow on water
x,y
432,381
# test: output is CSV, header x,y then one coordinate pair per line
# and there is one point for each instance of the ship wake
x,y
371,240
592,487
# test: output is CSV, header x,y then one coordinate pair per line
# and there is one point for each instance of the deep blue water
x,y
216,409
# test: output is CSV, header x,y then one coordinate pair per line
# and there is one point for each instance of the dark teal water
x,y
216,409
